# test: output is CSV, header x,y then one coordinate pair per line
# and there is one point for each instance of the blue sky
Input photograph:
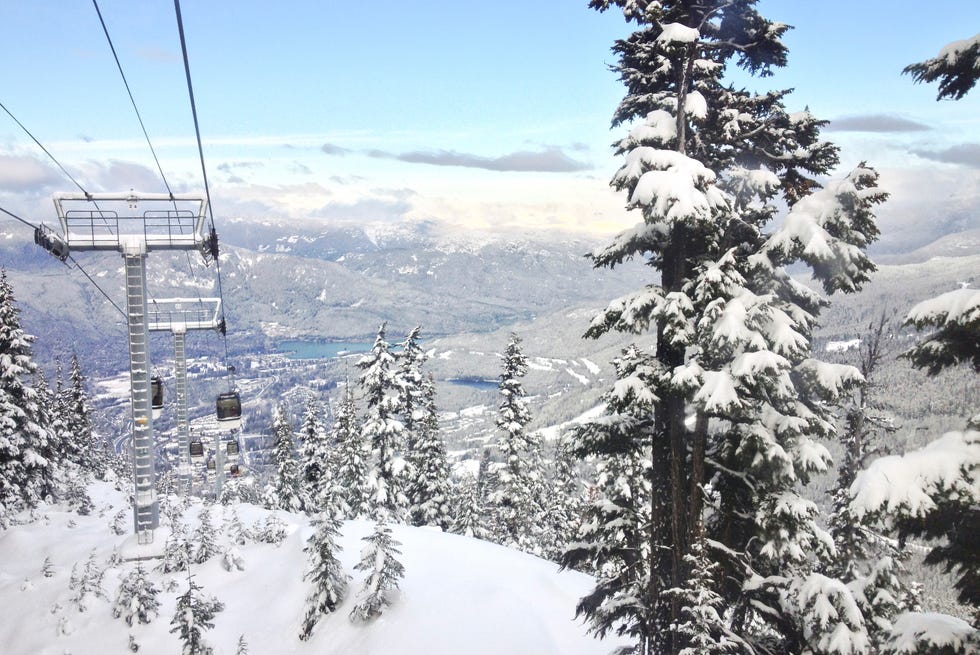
x,y
488,115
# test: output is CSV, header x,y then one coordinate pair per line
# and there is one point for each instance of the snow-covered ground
x,y
458,595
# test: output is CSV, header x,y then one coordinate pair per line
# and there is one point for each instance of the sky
x,y
487,115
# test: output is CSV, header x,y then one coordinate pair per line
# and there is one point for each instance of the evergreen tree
x,y
87,582
50,481
242,648
868,562
469,515
384,572
85,443
411,381
272,530
285,490
205,538
136,598
194,615
47,569
25,475
702,624
428,492
563,502
325,571
315,451
517,499
736,396
235,530
387,478
349,475
615,536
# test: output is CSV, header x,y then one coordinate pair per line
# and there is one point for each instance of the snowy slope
x,y
459,595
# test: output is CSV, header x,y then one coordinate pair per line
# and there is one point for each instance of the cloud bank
x,y
875,123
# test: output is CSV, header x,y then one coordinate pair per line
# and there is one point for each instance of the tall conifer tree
x,y
735,392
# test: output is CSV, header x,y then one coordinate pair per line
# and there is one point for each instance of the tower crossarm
x,y
107,221
181,314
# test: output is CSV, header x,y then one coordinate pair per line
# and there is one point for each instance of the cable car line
x,y
68,257
200,152
46,151
131,98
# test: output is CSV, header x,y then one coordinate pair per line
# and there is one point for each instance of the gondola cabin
x,y
231,448
234,470
229,410
212,465
156,396
197,450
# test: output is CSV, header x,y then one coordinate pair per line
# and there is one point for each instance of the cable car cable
x,y
46,151
73,261
200,152
131,98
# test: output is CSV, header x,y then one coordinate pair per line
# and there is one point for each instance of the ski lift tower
x,y
135,224
178,315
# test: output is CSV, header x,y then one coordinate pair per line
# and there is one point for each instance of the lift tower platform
x,y
135,224
178,315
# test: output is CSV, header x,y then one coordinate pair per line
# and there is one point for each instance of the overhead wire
x,y
73,261
200,152
139,117
46,151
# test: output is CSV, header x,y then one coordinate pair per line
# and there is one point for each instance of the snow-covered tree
x,y
325,572
388,475
87,582
242,648
957,67
378,559
737,398
136,599
469,514
204,539
410,379
614,538
563,501
25,475
79,418
517,498
234,529
349,473
702,623
272,530
428,492
285,489
315,450
193,616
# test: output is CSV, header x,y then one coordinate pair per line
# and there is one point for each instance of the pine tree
x,y
235,530
705,166
47,569
242,648
868,562
194,615
563,502
517,499
428,492
615,536
469,516
136,598
285,490
87,582
204,538
349,475
388,476
25,475
272,531
315,451
384,572
702,624
325,571
85,442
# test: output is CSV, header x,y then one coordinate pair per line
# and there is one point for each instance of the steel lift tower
x,y
178,315
135,224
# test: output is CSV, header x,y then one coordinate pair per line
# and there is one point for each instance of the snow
x,y
581,378
592,366
908,483
459,595
951,51
677,33
959,306
911,630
